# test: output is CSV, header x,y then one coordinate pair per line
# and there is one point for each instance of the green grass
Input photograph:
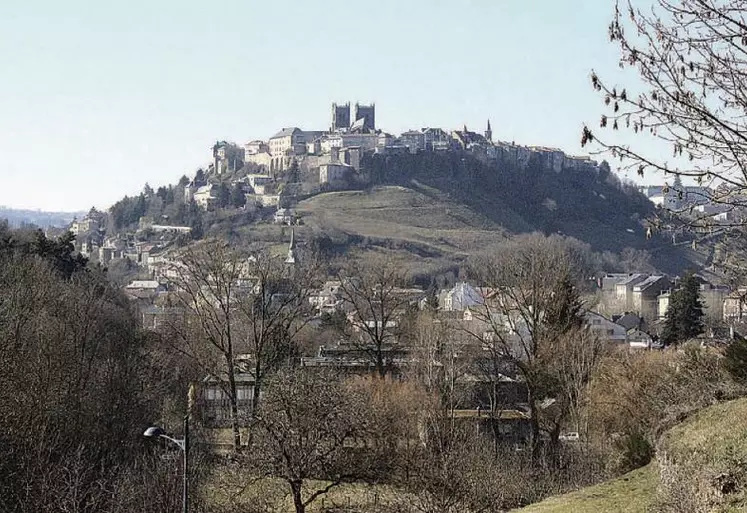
x,y
633,492
710,443
428,218
713,436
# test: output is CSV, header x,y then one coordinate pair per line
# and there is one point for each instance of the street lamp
x,y
157,432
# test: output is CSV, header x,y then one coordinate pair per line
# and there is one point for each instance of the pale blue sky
x,y
98,97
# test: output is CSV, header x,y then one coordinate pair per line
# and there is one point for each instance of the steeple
x,y
291,259
489,133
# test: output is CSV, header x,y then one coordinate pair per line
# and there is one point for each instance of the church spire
x,y
489,133
291,259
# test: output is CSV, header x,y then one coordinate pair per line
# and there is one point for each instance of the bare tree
x,y
240,303
521,315
208,281
689,63
309,423
375,301
275,312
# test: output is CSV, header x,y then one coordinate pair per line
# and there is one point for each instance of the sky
x,y
97,97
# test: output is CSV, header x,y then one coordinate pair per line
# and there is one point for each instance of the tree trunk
x,y
534,424
256,388
234,406
297,499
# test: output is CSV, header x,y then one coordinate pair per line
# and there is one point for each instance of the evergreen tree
x,y
293,172
238,198
224,195
735,359
564,311
684,317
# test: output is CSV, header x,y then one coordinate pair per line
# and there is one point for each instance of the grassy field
x,y
713,436
711,443
631,493
427,218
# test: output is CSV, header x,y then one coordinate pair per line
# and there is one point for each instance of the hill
x,y
431,210
453,204
42,219
699,467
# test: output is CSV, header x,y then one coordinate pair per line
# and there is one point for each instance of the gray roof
x,y
285,132
651,280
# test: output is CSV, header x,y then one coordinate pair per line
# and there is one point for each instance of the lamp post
x,y
157,432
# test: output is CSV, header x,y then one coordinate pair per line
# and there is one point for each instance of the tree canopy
x,y
684,317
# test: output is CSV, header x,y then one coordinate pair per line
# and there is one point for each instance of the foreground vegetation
x,y
81,381
634,492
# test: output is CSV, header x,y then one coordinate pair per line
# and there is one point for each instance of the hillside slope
x,y
427,220
700,466
451,205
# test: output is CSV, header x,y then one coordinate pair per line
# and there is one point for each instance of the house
x,y
604,328
287,144
205,196
437,139
254,147
461,297
468,140
639,339
284,216
413,139
144,289
215,406
735,307
663,303
630,321
623,296
334,173
646,295
327,299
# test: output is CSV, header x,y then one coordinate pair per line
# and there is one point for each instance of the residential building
x,y
663,300
227,157
254,147
646,294
437,139
468,140
334,173
284,216
328,298
639,339
414,140
623,298
259,182
604,328
461,297
735,305
367,142
205,196
144,289
214,403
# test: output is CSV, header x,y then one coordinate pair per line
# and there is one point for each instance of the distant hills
x,y
21,217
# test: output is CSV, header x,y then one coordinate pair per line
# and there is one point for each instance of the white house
x,y
284,216
461,297
205,196
604,328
